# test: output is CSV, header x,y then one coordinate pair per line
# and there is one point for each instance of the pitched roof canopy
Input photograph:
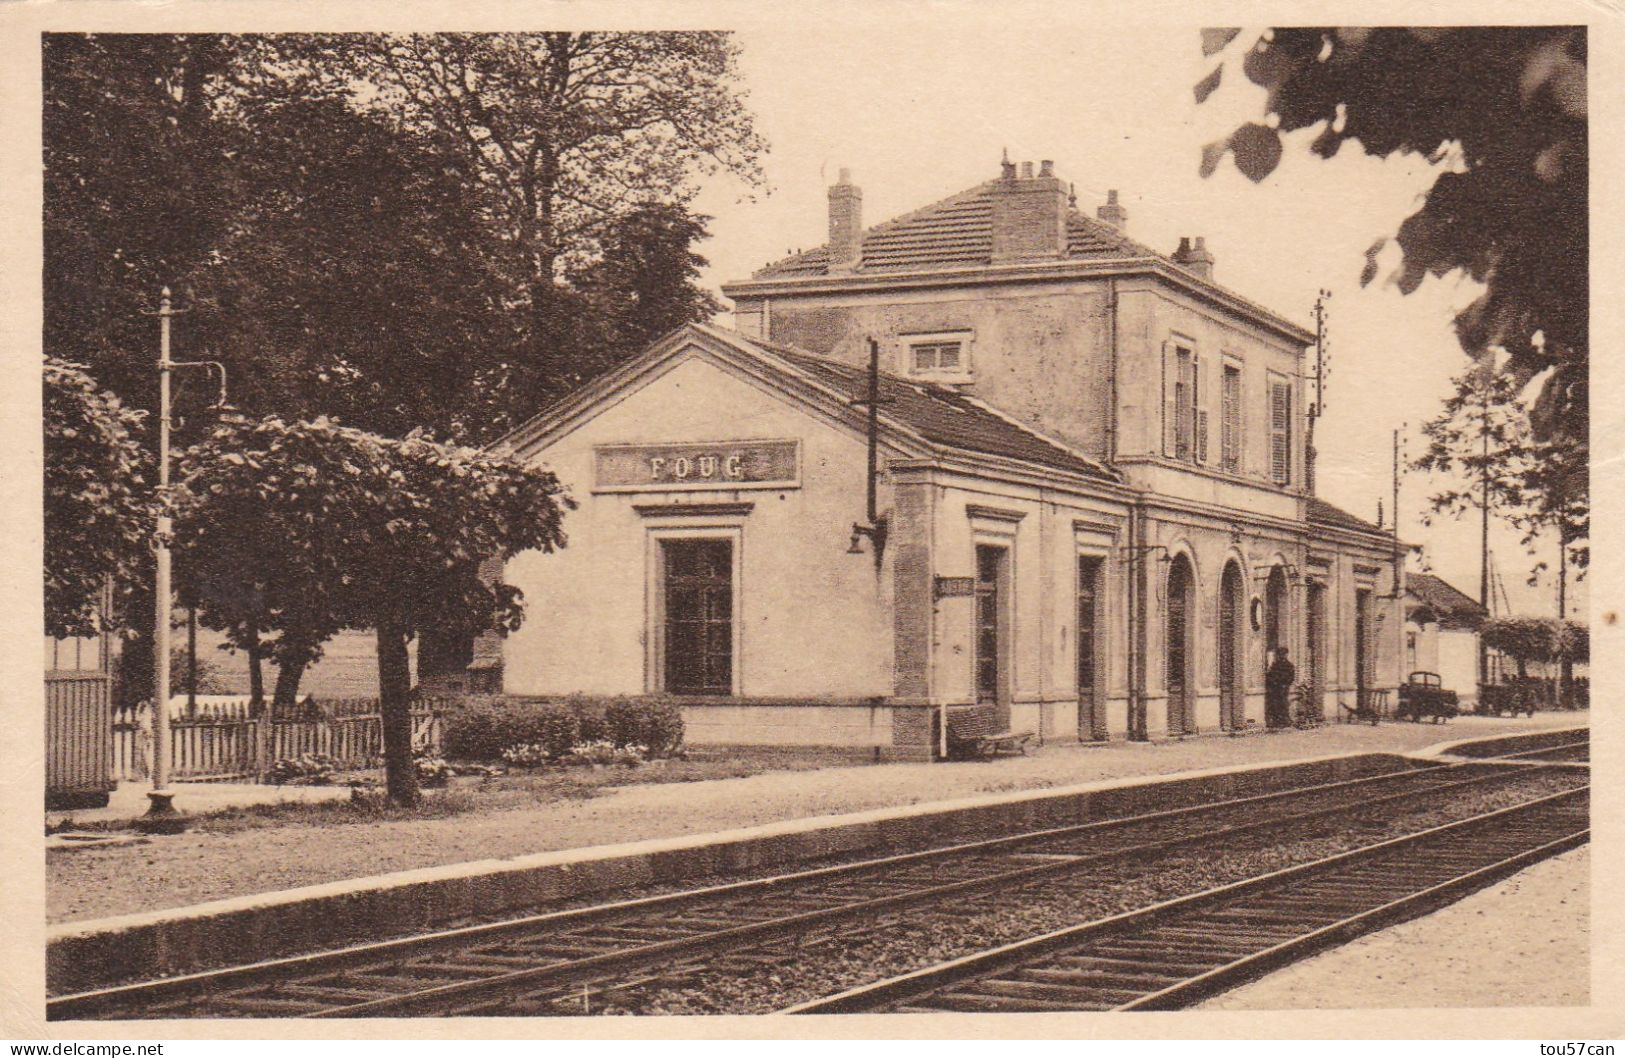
x,y
939,416
942,415
1452,607
956,232
1322,513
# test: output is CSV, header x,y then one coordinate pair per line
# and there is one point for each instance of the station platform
x,y
919,806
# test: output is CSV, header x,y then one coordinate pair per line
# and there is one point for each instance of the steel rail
x,y
593,967
210,985
916,984
75,1004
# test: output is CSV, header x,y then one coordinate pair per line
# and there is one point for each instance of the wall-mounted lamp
x,y
876,533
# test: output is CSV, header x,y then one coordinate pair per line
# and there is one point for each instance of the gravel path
x,y
192,868
1524,942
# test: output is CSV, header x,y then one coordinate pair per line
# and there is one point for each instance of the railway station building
x,y
1090,512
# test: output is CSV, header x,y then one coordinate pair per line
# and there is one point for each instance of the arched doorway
x,y
1181,674
1275,615
1232,602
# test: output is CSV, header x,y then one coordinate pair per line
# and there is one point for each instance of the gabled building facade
x,y
1441,634
1092,512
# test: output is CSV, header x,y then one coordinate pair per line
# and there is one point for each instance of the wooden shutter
x,y
1198,416
1170,406
1280,433
1230,410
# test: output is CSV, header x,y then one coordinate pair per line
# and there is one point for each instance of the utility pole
x,y
1318,406
1484,522
161,798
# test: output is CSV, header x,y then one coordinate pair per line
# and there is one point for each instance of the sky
x,y
921,102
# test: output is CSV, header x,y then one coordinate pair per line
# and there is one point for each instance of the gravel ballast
x,y
770,977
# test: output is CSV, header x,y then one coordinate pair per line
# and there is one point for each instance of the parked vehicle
x,y
1424,695
1509,698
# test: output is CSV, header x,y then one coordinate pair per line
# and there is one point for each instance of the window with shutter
x,y
1230,426
1280,433
1198,417
1184,404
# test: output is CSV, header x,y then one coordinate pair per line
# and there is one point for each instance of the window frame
x,y
936,340
1280,475
679,528
1232,414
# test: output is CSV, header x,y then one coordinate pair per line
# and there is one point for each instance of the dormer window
x,y
943,357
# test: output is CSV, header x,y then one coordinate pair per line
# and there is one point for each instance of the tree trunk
x,y
1565,679
288,675
256,707
256,673
394,691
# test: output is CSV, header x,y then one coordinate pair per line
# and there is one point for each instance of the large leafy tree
x,y
372,533
643,283
137,192
1501,111
563,136
1483,444
357,282
99,517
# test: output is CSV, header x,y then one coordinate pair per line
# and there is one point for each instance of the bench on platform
x,y
971,733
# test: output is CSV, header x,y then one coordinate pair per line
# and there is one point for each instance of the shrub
x,y
485,729
307,769
433,771
527,755
482,730
603,751
655,725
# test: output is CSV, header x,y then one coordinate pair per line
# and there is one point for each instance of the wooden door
x,y
1179,674
991,633
1091,707
1231,709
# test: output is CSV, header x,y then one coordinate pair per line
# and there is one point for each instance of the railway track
x,y
1174,954
536,963
1568,753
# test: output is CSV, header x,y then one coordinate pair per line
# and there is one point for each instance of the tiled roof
x,y
1453,607
955,233
1325,514
940,414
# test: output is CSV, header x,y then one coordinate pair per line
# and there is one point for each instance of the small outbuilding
x,y
1441,633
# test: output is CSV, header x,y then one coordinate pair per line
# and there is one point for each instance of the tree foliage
x,y
565,137
1483,437
398,231
1501,112
1537,639
369,532
99,517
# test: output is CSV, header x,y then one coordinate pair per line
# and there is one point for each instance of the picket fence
x,y
219,742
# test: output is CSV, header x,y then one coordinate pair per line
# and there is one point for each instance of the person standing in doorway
x,y
1278,680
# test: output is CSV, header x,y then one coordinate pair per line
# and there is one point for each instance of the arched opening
x,y
1232,602
1091,703
1181,675
1275,617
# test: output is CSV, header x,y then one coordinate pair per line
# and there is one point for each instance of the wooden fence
x,y
77,744
220,744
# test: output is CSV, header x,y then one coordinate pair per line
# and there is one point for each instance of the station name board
x,y
708,465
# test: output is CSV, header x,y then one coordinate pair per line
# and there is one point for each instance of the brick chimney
x,y
1111,212
1195,258
845,224
1029,214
